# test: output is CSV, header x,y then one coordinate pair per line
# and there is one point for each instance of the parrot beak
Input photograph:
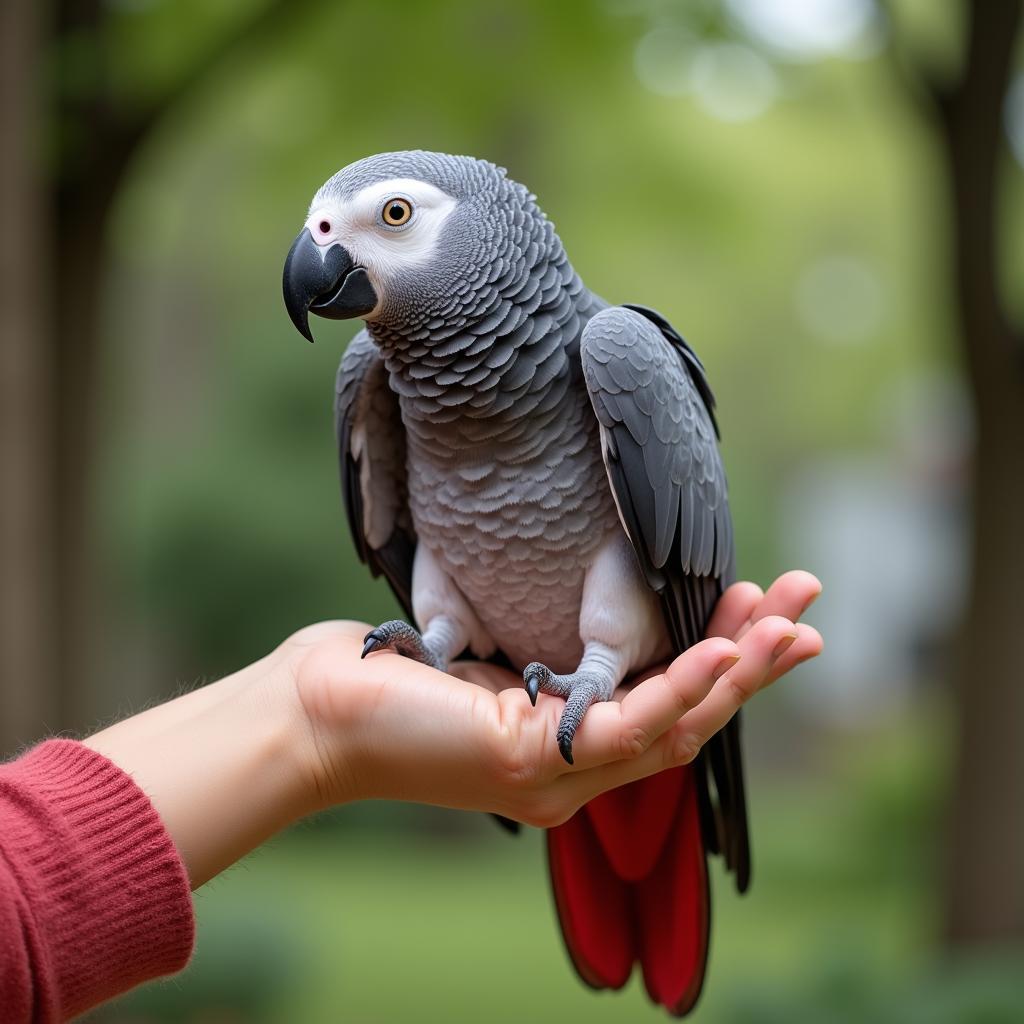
x,y
328,283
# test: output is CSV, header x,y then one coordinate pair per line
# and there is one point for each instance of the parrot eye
x,y
396,212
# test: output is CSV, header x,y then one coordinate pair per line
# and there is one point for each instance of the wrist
x,y
282,736
327,712
221,765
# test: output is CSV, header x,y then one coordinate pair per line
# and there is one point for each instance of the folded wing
x,y
371,458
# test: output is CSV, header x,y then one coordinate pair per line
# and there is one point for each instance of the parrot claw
x,y
538,678
580,689
533,686
405,640
373,641
565,747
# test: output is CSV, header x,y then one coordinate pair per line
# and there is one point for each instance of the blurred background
x,y
825,196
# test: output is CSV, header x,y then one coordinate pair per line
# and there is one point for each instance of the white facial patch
x,y
385,251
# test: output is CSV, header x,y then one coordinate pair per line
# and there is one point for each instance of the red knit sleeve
x,y
94,897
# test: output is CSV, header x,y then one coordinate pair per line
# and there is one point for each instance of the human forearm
x,y
222,764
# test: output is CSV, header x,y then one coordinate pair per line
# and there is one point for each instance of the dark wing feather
x,y
371,457
658,429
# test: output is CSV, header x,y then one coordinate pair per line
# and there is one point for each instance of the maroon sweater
x,y
93,894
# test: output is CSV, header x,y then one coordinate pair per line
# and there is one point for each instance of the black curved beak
x,y
330,285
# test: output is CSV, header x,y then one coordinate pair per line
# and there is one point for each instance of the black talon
x,y
565,746
371,642
532,687
580,689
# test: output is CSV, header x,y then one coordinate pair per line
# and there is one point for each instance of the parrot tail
x,y
630,882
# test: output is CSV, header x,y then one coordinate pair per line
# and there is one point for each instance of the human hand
x,y
388,727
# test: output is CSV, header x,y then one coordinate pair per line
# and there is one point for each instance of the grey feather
x,y
371,456
669,428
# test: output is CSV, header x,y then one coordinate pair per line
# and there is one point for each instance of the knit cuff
x,y
110,898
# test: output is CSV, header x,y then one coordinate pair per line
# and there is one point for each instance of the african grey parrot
x,y
537,476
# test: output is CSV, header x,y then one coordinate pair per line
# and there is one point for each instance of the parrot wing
x,y
690,569
371,457
659,439
645,843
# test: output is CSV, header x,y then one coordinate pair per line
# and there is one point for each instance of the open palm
x,y
388,727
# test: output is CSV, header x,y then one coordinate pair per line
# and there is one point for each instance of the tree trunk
x,y
985,888
27,635
80,264
985,894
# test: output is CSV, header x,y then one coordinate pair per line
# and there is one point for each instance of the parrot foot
x,y
402,638
580,689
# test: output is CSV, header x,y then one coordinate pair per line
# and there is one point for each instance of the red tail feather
x,y
630,883
674,912
594,905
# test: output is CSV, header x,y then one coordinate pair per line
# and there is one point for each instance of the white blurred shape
x,y
810,29
733,83
663,60
839,299
1013,115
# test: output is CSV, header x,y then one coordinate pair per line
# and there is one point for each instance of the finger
x,y
612,730
682,741
808,645
789,596
763,645
742,604
734,609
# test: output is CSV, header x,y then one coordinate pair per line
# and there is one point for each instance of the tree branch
x,y
271,19
114,131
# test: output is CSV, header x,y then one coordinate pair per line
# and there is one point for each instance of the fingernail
x,y
810,601
783,645
724,665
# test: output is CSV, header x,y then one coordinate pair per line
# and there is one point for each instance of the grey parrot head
x,y
410,240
